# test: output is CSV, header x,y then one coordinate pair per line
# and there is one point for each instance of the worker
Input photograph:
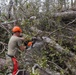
x,y
15,43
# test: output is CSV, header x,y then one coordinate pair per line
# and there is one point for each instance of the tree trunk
x,y
64,4
71,3
51,42
75,3
65,15
47,5
10,8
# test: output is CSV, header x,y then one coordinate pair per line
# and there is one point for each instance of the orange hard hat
x,y
16,29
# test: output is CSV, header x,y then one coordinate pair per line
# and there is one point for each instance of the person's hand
x,y
22,38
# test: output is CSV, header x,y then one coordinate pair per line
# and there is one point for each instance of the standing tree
x,y
10,8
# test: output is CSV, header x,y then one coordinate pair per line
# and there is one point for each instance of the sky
x,y
8,1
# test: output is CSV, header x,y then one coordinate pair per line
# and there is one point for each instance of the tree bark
x,y
51,42
65,15
10,8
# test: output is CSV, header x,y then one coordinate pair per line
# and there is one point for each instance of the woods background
x,y
55,19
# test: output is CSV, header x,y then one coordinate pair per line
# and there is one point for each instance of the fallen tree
x,y
65,15
52,42
59,49
43,38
